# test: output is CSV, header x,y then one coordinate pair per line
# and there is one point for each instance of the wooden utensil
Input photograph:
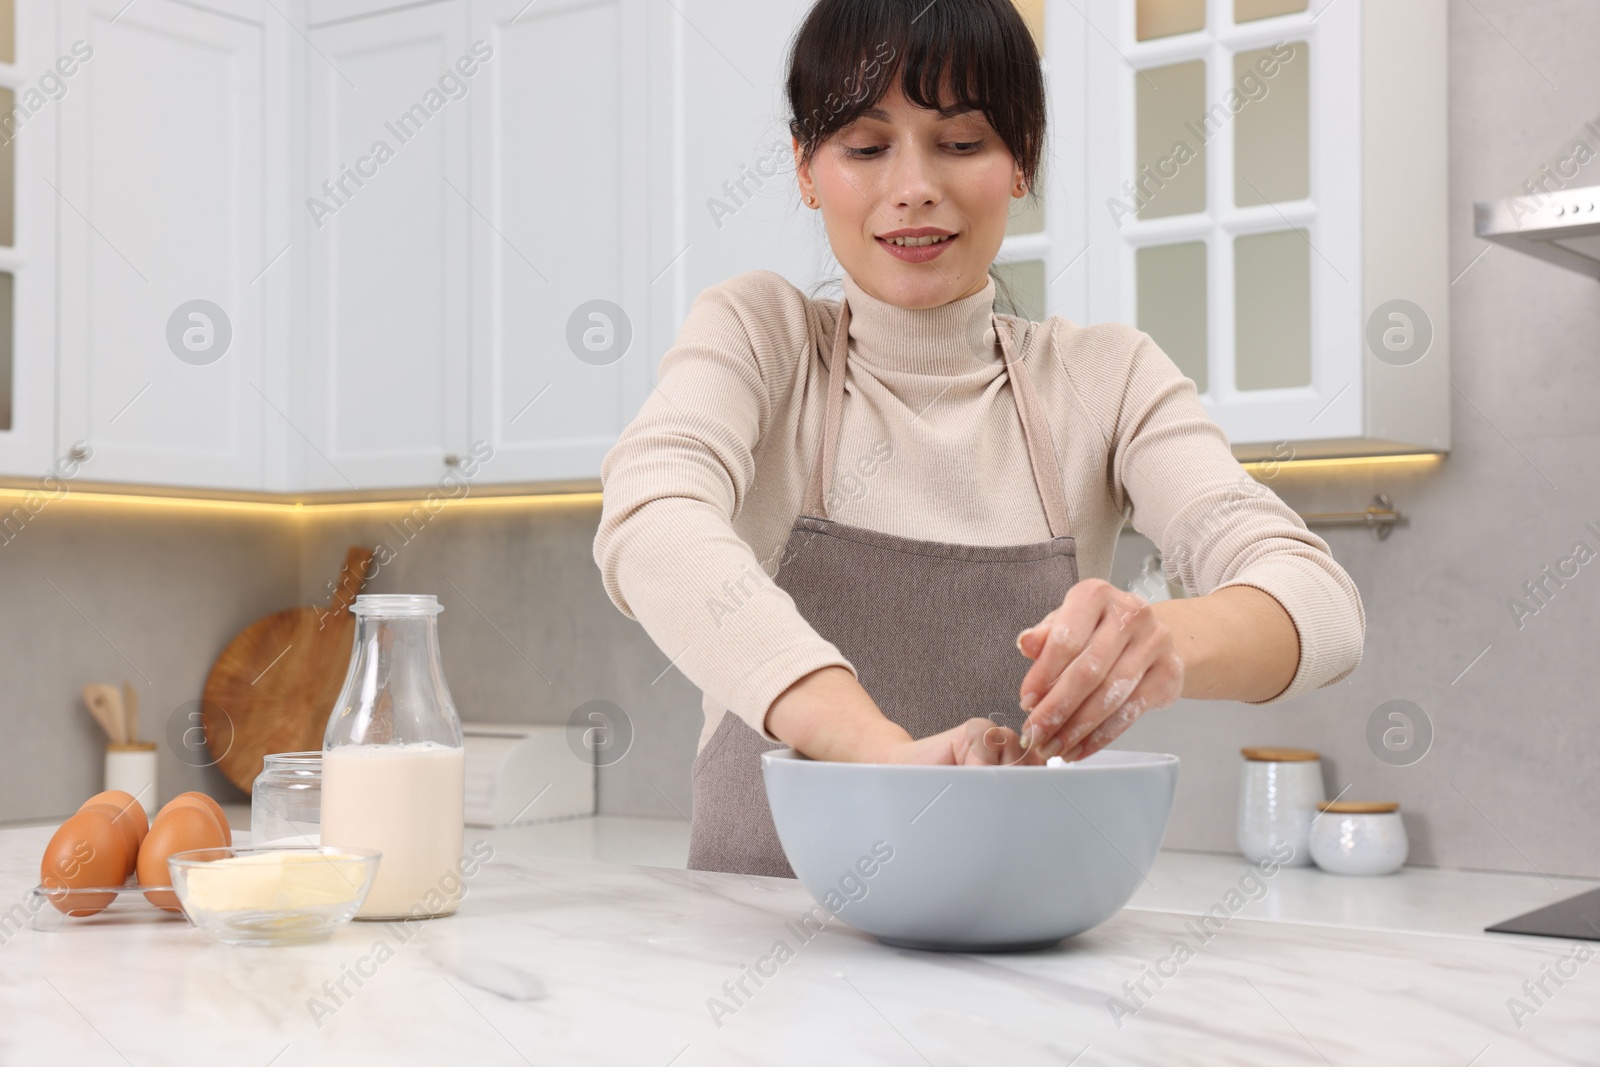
x,y
130,710
119,714
102,701
274,685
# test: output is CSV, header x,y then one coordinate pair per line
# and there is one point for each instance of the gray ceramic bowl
x,y
971,858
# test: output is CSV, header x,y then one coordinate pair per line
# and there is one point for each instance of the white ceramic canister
x,y
1279,791
132,769
1359,837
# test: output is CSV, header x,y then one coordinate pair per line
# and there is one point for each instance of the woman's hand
x,y
827,715
976,742
1101,659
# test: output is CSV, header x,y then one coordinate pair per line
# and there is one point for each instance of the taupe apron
x,y
929,627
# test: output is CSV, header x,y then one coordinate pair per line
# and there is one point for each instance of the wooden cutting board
x,y
273,687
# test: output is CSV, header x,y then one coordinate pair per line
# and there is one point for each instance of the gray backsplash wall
x,y
1513,777
528,634
98,592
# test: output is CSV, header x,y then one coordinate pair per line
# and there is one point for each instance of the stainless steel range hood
x,y
1561,227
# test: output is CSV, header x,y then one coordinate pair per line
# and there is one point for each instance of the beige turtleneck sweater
x,y
702,487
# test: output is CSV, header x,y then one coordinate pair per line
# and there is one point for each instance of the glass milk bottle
x,y
393,769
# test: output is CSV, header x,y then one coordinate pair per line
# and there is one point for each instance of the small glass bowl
x,y
272,896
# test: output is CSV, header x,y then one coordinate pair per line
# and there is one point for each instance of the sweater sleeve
x,y
677,476
1217,526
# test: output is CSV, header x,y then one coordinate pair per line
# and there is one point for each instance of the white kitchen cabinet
x,y
383,220
28,245
1260,206
723,193
435,229
166,198
422,214
561,188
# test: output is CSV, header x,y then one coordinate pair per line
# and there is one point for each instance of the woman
x,y
835,518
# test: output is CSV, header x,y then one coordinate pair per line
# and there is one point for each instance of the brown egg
x,y
127,807
88,851
178,828
126,828
213,806
198,801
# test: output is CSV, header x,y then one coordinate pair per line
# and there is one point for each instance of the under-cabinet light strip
x,y
23,497
1416,458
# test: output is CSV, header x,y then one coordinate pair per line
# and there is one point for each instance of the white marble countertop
x,y
568,950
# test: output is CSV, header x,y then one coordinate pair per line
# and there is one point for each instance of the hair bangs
x,y
950,56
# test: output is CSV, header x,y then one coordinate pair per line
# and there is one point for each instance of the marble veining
x,y
575,962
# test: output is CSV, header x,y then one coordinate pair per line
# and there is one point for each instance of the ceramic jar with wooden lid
x,y
131,767
1359,837
1279,791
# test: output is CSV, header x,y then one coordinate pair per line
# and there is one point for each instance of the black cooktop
x,y
1577,917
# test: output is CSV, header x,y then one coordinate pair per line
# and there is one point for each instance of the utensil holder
x,y
132,768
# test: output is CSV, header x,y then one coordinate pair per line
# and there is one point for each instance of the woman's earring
x,y
811,201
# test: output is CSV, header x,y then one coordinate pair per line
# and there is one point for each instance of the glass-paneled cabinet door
x,y
1224,178
34,74
1042,266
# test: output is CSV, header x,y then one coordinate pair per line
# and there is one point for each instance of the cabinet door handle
x,y
79,451
452,460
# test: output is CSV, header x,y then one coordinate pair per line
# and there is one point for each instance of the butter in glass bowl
x,y
272,896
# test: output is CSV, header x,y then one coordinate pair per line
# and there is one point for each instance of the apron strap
x,y
1041,445
827,456
1035,430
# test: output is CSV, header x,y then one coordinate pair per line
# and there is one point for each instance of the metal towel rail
x,y
1380,517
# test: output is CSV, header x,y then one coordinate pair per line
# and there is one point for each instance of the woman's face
x,y
901,174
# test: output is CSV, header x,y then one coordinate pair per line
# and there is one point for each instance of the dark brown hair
x,y
847,52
